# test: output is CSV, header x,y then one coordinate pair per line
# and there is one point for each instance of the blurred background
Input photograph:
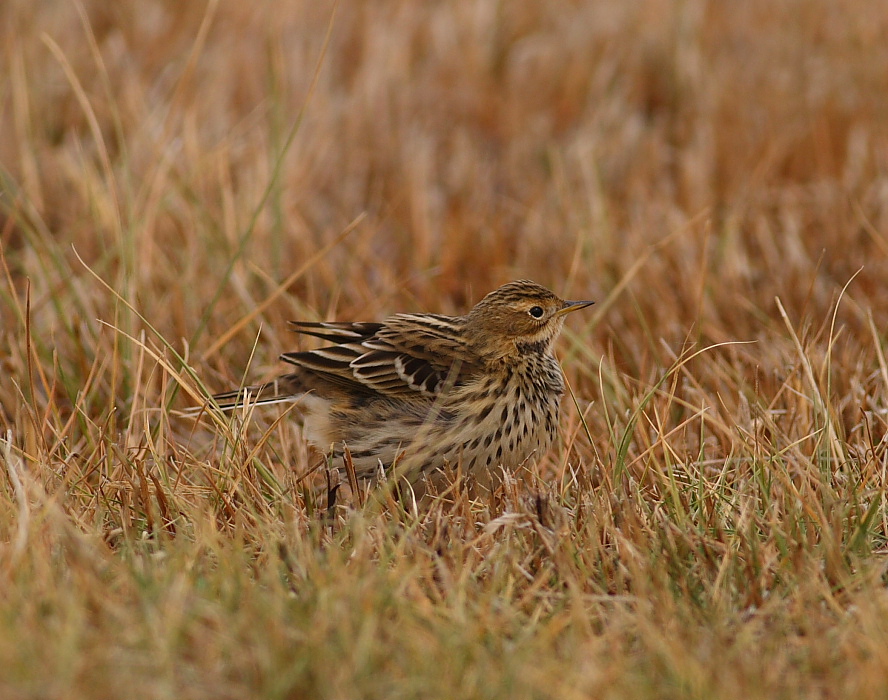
x,y
683,162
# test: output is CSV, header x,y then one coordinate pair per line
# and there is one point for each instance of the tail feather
x,y
257,394
276,391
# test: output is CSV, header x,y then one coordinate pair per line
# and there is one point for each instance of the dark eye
x,y
536,311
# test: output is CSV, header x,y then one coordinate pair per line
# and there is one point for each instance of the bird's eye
x,y
536,311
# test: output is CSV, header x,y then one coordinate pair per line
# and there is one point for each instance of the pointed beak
x,y
570,306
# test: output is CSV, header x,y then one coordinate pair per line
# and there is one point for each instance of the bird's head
x,y
517,319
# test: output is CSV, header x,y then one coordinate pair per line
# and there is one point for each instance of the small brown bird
x,y
419,391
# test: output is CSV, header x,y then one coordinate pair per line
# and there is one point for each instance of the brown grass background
x,y
179,179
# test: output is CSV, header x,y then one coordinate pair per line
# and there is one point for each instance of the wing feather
x,y
335,332
402,356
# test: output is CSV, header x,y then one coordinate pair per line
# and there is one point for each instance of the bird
x,y
416,392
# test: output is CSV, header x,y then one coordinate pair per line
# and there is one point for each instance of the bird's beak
x,y
570,306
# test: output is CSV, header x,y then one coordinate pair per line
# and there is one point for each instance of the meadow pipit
x,y
420,391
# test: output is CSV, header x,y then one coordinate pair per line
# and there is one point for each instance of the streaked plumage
x,y
421,390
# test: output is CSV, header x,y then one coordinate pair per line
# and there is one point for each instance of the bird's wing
x,y
405,355
337,332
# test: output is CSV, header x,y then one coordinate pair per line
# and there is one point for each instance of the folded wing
x,y
403,356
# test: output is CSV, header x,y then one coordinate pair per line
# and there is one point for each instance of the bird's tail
x,y
280,390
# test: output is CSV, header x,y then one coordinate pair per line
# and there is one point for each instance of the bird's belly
x,y
479,436
525,435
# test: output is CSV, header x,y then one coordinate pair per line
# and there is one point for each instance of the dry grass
x,y
178,179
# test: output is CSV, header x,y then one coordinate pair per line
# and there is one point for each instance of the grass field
x,y
179,179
